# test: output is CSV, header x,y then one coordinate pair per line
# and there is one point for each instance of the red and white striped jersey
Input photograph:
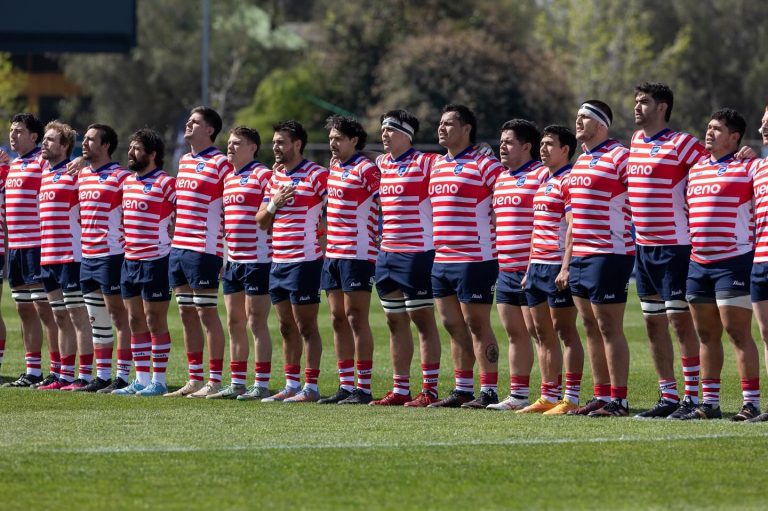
x,y
59,216
405,205
22,209
513,206
199,211
549,225
353,210
461,192
760,190
4,169
294,229
720,214
101,210
596,196
657,175
244,191
149,203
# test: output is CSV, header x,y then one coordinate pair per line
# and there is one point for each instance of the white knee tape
x,y
744,302
57,305
414,305
393,305
206,300
38,294
73,300
22,296
185,299
676,306
101,324
652,307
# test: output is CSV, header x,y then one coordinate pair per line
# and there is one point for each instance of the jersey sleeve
x,y
690,150
565,191
320,182
620,159
491,170
371,177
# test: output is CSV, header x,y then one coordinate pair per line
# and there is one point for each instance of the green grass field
x,y
75,451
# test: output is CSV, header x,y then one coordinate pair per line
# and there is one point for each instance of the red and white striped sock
x,y
572,387
195,366
103,362
33,361
750,391
55,366
401,384
550,391
215,368
86,367
710,390
519,385
602,391
292,376
239,370
691,371
619,393
364,370
310,378
161,350
489,381
430,374
668,388
124,360
141,349
465,380
346,375
263,373
67,372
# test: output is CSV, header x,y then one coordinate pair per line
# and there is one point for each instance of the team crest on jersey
x,y
594,161
295,181
103,178
548,189
655,150
458,168
402,169
721,170
199,168
56,177
243,180
147,188
520,181
345,175
24,165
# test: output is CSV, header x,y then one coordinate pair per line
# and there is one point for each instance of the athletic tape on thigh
x,y
206,300
24,296
101,324
393,305
423,303
74,299
38,294
652,307
185,299
676,306
744,301
57,305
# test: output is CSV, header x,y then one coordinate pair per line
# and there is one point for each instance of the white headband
x,y
402,127
595,113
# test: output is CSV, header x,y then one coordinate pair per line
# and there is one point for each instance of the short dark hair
x,y
32,123
249,133
660,93
402,116
733,120
152,143
466,116
526,132
602,106
564,135
211,117
348,127
295,130
107,135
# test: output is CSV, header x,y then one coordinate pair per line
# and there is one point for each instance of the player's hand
x,y
334,161
4,157
484,148
746,153
524,280
283,195
561,281
76,165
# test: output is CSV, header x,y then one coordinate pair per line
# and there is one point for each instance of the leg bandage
x,y
419,303
101,324
676,306
24,296
394,305
206,300
652,307
74,299
185,299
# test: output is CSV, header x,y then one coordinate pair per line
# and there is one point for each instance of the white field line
x,y
400,445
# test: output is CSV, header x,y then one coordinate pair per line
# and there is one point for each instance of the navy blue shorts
x,y
409,272
24,267
197,270
253,278
728,278
148,279
471,282
509,288
347,274
540,287
662,270
601,278
103,273
759,282
64,276
299,282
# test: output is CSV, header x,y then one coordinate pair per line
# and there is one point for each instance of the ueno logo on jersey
x,y
761,190
133,204
712,189
336,193
186,184
47,196
392,190
507,200
236,198
93,195
639,170
447,189
540,207
199,167
15,182
584,181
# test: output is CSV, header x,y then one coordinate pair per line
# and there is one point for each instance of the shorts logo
x,y
477,297
458,168
520,181
402,169
304,298
199,168
56,177
721,170
345,175
147,188
421,293
559,300
548,189
203,283
157,295
655,150
676,292
295,181
611,296
355,284
103,178
594,161
738,283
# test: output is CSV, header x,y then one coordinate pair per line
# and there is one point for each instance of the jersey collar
x,y
59,166
598,147
559,172
297,167
248,167
405,155
656,136
103,167
149,175
459,156
725,158
204,152
522,169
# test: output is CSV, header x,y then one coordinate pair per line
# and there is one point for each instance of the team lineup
x,y
96,251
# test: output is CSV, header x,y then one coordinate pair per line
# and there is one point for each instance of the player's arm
x,y
561,281
75,166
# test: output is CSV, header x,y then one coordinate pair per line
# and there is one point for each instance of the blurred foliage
x,y
11,85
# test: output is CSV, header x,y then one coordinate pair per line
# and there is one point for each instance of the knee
x,y
338,322
357,319
307,331
287,329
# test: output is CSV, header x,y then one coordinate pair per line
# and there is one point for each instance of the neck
x,y
651,129
290,165
97,163
596,141
397,153
26,150
554,168
720,154
519,162
241,164
55,162
457,149
196,147
146,170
